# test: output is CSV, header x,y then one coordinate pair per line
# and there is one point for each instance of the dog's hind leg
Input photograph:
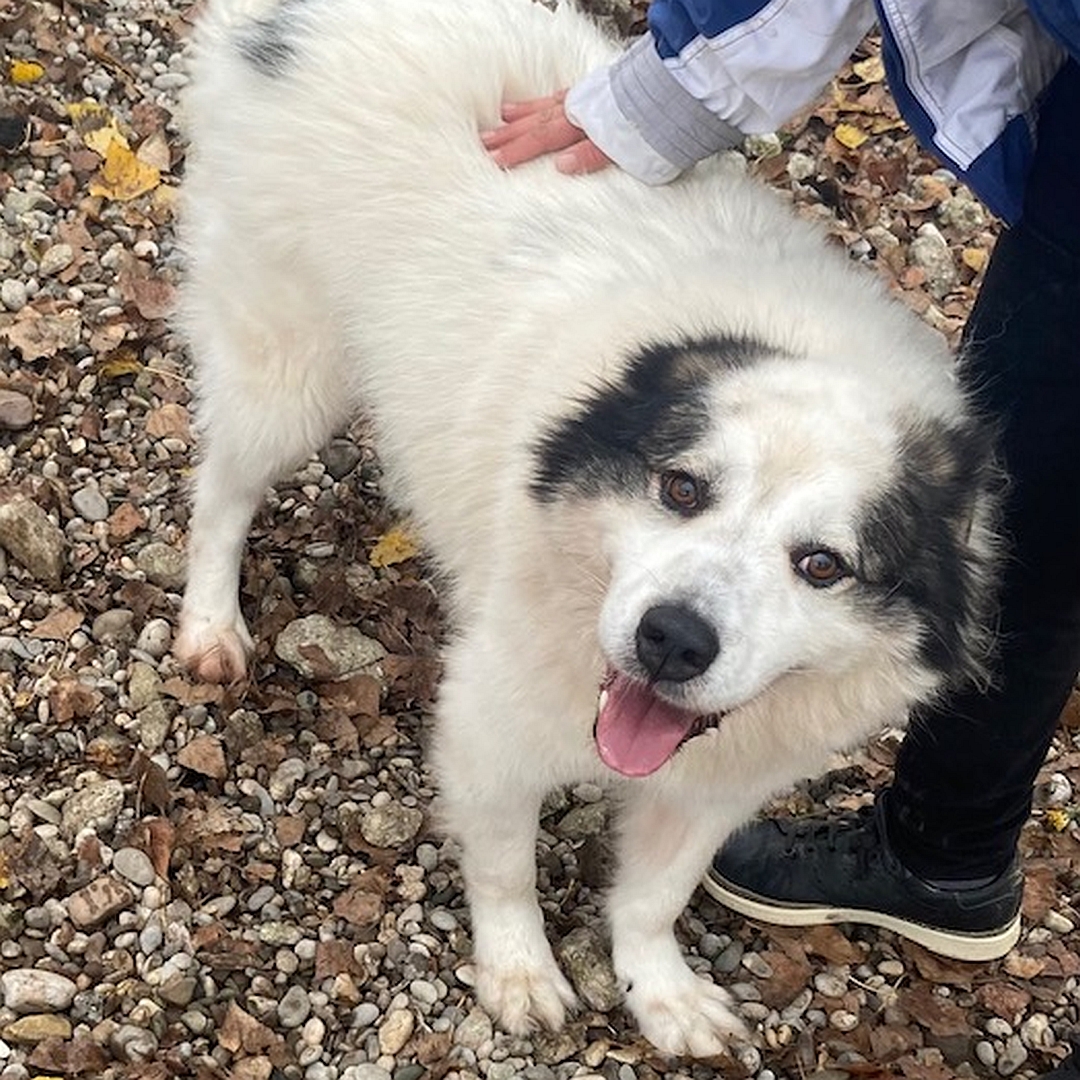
x,y
665,844
266,402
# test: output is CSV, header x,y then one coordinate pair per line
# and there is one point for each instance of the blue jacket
x,y
970,79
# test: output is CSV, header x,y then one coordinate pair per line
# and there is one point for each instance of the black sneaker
x,y
801,872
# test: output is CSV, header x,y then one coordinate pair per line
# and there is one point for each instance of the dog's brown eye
x,y
681,492
821,567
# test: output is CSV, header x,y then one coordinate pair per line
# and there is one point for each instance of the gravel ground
x,y
248,883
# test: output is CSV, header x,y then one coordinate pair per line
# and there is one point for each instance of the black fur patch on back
x,y
625,431
267,44
918,545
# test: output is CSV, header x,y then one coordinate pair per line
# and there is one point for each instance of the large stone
x,y
163,565
318,648
37,1027
31,538
16,410
26,990
391,825
586,962
94,807
98,901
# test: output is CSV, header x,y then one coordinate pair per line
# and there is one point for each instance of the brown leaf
x,y
190,693
1041,889
240,1031
913,1069
37,335
939,1015
152,784
204,754
289,830
78,1056
432,1047
790,975
1070,715
1024,967
940,969
227,953
1004,999
334,958
831,945
58,625
171,421
71,699
359,907
124,521
156,836
357,695
339,731
889,1041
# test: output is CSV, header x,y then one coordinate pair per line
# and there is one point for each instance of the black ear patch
x,y
923,542
624,431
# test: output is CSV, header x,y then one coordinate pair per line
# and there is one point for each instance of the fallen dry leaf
x,y
39,335
359,907
171,421
240,1031
58,625
1004,999
395,546
71,699
124,521
849,136
1023,967
156,836
123,176
938,1014
204,755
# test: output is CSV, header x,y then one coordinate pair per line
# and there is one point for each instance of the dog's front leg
x,y
517,978
665,844
491,785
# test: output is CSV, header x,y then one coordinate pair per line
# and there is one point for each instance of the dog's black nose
x,y
674,643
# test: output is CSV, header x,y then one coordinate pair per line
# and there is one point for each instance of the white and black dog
x,y
712,506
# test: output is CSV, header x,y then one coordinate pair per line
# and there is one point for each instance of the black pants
x,y
965,773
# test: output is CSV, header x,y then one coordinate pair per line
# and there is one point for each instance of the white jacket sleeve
x,y
666,103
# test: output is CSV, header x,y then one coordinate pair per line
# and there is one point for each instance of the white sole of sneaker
x,y
955,944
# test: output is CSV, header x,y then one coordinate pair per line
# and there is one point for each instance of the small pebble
x,y
135,866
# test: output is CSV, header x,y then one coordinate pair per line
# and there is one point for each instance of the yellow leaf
x,y
974,258
1058,819
5,872
870,70
96,126
850,136
124,176
395,546
24,72
123,361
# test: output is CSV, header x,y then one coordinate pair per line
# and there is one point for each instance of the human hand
x,y
540,126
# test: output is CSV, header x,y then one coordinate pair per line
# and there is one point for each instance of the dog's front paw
x,y
213,653
686,1015
523,996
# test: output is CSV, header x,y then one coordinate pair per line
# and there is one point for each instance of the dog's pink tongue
x,y
636,732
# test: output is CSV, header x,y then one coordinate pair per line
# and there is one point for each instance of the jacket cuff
x,y
641,117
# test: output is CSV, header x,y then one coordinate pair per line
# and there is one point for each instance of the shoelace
x,y
853,834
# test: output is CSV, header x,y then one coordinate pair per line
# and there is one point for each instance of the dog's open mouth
x,y
636,731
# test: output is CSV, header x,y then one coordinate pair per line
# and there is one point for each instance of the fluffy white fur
x,y
352,247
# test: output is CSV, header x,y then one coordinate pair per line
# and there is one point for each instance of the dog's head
x,y
769,520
